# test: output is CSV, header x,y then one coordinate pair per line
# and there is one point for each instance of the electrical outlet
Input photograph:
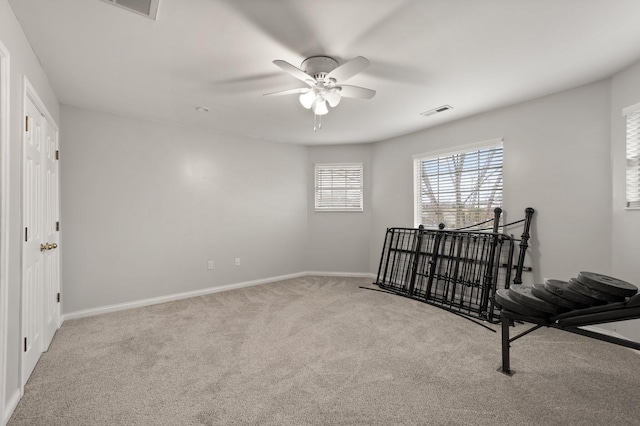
x,y
210,265
237,261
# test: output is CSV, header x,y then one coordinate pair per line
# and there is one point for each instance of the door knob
x,y
47,246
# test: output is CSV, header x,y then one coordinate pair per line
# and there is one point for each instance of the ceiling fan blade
x,y
349,69
296,72
356,92
289,92
286,24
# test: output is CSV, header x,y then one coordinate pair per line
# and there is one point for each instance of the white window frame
x,y
632,179
334,180
446,154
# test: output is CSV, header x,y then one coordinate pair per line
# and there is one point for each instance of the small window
x,y
458,188
632,115
338,187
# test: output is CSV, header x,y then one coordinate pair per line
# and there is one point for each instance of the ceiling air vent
x,y
443,108
148,8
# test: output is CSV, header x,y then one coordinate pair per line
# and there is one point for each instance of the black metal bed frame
x,y
457,270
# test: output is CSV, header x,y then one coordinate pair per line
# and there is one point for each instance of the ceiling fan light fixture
x,y
325,78
333,97
307,99
320,106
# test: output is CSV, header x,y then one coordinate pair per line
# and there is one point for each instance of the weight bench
x,y
570,321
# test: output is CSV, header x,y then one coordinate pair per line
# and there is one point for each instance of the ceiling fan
x,y
324,79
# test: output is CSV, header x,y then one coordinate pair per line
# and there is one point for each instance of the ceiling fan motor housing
x,y
319,66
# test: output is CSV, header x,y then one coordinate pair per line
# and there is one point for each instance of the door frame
x,y
30,92
4,220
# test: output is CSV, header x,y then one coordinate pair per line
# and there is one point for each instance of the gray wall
x,y
340,241
23,63
145,205
556,160
625,91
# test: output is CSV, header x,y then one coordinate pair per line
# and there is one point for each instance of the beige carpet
x,y
320,351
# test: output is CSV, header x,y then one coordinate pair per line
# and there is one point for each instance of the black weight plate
x,y
576,285
561,289
607,284
503,299
541,292
522,294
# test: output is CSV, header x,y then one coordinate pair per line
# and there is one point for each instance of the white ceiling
x,y
474,55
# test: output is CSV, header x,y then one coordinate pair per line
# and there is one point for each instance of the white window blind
x,y
633,156
460,188
338,187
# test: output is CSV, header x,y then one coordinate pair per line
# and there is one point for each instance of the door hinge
x,y
57,155
25,344
26,234
26,124
58,298
57,226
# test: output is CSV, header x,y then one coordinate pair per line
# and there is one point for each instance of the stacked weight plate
x,y
556,296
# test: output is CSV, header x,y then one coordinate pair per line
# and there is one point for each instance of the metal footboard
x,y
457,270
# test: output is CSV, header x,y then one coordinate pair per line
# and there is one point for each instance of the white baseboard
x,y
172,297
341,274
11,406
608,333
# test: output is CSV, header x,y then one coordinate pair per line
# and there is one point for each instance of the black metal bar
x,y
456,269
524,333
506,364
474,226
433,264
509,264
524,244
408,260
601,317
506,343
390,256
494,281
496,219
466,275
384,246
396,274
488,277
416,259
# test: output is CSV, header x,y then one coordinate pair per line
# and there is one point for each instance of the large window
x,y
459,188
632,115
338,187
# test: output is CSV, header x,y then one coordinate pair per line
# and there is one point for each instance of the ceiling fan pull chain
x,y
317,122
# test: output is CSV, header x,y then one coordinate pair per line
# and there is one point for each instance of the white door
x,y
50,226
40,264
32,258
